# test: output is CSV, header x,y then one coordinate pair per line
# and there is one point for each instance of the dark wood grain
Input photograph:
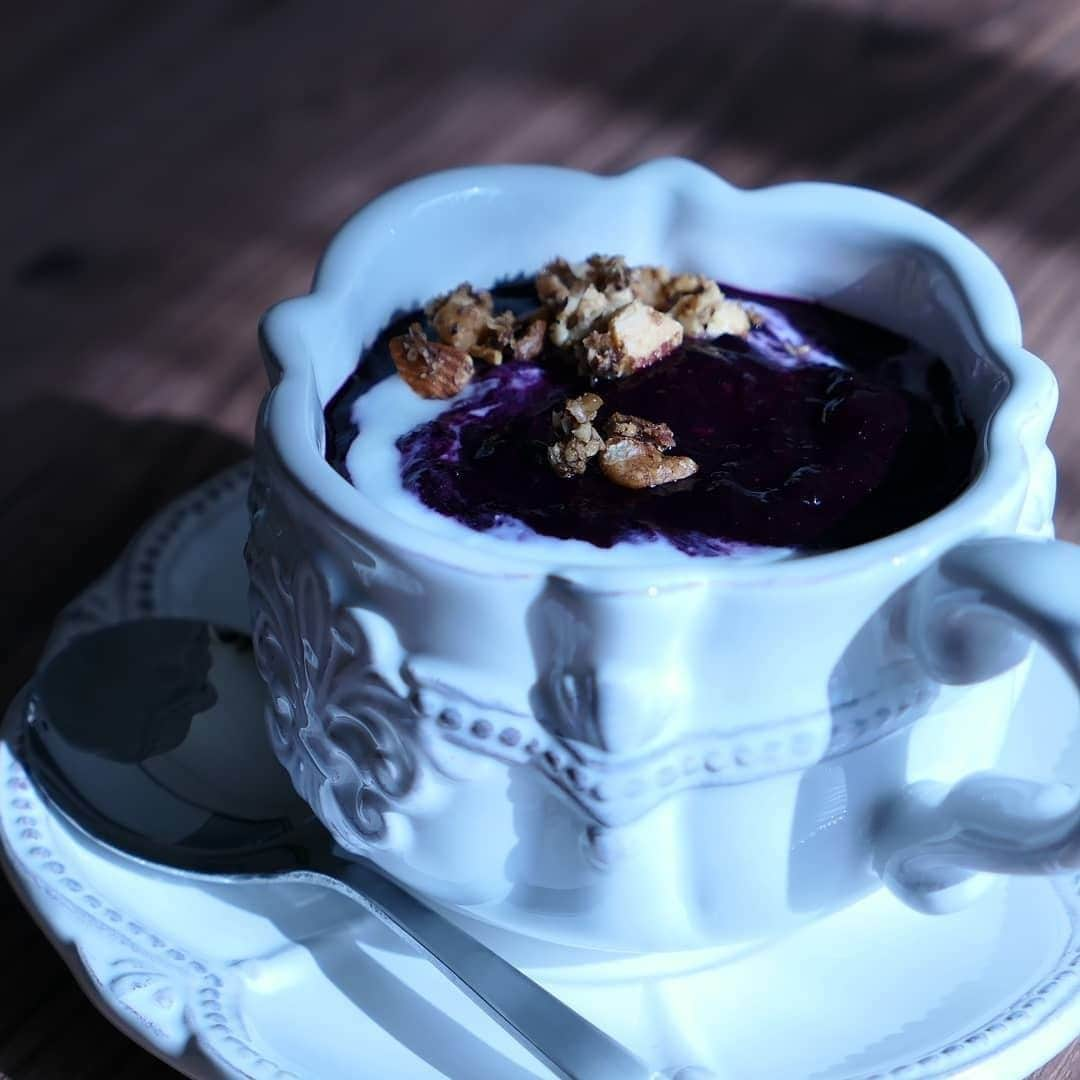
x,y
171,170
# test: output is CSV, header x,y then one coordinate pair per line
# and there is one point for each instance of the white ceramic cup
x,y
665,757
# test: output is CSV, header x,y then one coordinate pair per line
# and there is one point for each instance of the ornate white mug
x,y
657,757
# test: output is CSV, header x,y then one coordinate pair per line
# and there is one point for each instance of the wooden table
x,y
170,170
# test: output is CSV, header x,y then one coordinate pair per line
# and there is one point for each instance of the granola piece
x,y
464,319
636,337
708,314
495,339
557,280
703,310
609,273
685,284
461,318
578,440
621,426
570,457
581,311
575,412
431,368
560,279
649,284
487,353
529,341
580,296
636,463
500,330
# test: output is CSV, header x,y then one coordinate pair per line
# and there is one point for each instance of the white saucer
x,y
260,981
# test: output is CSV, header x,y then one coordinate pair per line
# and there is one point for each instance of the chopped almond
x,y
431,368
636,337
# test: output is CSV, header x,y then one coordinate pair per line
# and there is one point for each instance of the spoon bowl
x,y
148,736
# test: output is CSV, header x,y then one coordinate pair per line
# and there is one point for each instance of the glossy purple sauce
x,y
817,432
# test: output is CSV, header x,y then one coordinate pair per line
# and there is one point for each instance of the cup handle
x,y
972,616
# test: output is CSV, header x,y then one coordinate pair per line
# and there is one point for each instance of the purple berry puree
x,y
817,432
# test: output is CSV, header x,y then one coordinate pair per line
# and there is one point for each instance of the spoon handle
x,y
565,1041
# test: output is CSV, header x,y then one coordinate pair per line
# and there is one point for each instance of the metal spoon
x,y
146,735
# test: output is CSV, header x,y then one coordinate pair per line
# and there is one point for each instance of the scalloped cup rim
x,y
990,303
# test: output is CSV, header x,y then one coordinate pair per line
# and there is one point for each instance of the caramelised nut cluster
x,y
468,329
632,452
582,296
466,319
620,319
612,318
576,440
702,309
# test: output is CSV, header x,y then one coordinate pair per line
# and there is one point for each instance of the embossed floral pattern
x,y
345,736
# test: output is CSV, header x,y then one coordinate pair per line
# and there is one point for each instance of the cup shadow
x,y
77,484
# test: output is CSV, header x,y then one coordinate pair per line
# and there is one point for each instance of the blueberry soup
x,y
613,405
